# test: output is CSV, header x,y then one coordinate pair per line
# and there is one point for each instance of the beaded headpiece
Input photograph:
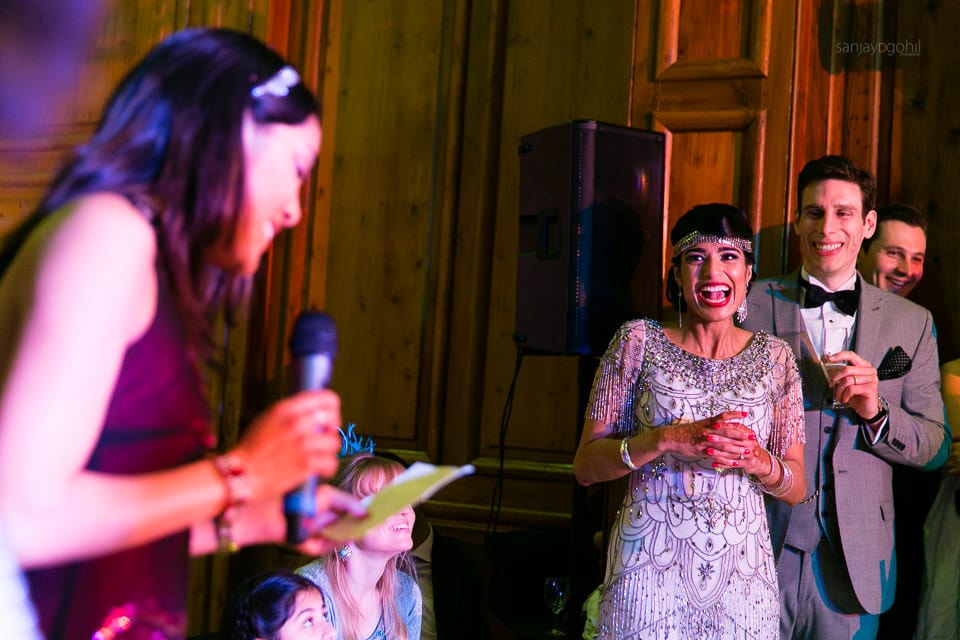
x,y
354,444
695,237
277,85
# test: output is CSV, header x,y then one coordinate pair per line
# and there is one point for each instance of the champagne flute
x,y
833,339
556,592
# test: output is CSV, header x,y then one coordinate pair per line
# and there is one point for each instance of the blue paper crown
x,y
354,444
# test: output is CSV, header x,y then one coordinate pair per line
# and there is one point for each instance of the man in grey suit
x,y
881,406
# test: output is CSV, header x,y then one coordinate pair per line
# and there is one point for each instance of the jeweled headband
x,y
695,237
277,85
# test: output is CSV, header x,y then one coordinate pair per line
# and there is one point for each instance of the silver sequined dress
x,y
690,553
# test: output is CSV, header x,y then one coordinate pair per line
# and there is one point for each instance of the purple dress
x,y
158,418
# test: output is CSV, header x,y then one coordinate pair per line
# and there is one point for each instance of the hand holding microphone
x,y
297,438
313,346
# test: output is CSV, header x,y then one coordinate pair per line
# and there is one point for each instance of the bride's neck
x,y
713,340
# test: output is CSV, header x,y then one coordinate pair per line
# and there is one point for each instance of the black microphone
x,y
313,346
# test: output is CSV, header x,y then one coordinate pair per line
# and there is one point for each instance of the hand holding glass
x,y
833,339
556,592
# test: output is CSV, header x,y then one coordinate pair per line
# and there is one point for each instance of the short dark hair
x,y
262,605
901,212
837,168
714,219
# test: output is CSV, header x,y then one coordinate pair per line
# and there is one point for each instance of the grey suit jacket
x,y
855,507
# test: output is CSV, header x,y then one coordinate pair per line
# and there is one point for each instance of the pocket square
x,y
895,364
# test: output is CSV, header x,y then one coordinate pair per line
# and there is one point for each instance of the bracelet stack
x,y
782,486
625,455
237,486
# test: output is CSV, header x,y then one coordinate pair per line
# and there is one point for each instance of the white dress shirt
x,y
825,323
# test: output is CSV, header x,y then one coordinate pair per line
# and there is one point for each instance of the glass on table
x,y
556,592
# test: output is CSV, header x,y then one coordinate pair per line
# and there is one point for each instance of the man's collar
x,y
848,284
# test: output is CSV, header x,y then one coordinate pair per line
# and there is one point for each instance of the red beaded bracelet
x,y
237,486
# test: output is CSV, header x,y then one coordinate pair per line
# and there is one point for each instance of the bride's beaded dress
x,y
690,554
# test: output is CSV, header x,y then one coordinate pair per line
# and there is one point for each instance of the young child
x,y
277,606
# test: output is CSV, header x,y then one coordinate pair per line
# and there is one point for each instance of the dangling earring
x,y
742,311
680,307
344,553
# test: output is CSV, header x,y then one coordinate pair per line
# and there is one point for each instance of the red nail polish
x,y
710,451
752,437
711,438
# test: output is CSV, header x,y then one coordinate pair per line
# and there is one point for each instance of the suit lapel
x,y
789,325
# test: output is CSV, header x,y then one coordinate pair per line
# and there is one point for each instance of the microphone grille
x,y
313,332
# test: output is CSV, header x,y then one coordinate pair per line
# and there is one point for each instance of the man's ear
x,y
869,225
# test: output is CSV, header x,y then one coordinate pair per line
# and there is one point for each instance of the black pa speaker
x,y
591,234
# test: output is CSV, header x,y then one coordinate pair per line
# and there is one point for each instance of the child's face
x,y
309,619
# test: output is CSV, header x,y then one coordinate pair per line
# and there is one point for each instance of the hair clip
x,y
279,84
354,444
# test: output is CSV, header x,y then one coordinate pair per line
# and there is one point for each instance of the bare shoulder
x,y
103,234
97,253
119,225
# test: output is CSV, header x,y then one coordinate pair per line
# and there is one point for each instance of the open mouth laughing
x,y
714,294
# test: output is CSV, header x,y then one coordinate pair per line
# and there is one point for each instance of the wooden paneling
x,y
383,217
410,229
700,40
561,61
723,100
925,153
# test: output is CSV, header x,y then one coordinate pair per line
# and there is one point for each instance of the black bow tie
x,y
846,301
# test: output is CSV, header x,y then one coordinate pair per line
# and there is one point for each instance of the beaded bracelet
x,y
625,455
237,487
782,486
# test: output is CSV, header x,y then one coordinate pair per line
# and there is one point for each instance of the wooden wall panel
x,y
724,20
383,218
724,102
837,98
925,156
562,61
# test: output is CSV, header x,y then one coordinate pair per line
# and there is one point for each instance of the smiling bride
x,y
368,585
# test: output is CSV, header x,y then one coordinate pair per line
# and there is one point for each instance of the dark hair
x,y
170,140
714,219
262,605
837,168
901,212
